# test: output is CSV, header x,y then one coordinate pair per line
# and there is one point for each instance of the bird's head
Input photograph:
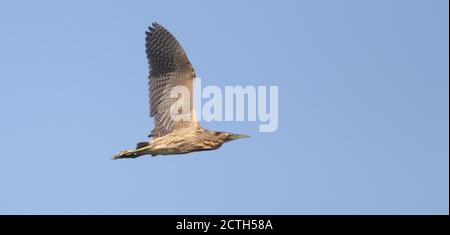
x,y
226,136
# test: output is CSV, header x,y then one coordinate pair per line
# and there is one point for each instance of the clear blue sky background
x,y
363,107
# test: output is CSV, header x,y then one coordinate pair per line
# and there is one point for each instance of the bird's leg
x,y
125,154
130,153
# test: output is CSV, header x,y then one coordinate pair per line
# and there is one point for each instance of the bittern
x,y
170,68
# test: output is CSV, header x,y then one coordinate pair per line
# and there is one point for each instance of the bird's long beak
x,y
238,136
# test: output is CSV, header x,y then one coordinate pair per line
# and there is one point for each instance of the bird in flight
x,y
171,69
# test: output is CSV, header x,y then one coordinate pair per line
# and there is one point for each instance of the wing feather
x,y
169,67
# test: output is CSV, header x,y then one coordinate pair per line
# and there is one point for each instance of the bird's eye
x,y
216,133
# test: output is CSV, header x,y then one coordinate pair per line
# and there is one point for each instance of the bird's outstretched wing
x,y
169,68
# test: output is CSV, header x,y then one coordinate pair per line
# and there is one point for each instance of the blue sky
x,y
363,107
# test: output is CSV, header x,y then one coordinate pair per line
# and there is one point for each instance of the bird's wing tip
x,y
153,26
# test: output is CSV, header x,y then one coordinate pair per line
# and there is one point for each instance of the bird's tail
x,y
142,145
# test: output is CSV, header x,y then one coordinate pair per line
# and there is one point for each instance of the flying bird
x,y
170,68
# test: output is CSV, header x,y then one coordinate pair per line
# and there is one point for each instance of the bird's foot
x,y
126,154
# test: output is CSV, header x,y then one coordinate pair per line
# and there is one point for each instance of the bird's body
x,y
170,69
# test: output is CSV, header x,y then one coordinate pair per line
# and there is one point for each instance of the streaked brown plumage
x,y
169,68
